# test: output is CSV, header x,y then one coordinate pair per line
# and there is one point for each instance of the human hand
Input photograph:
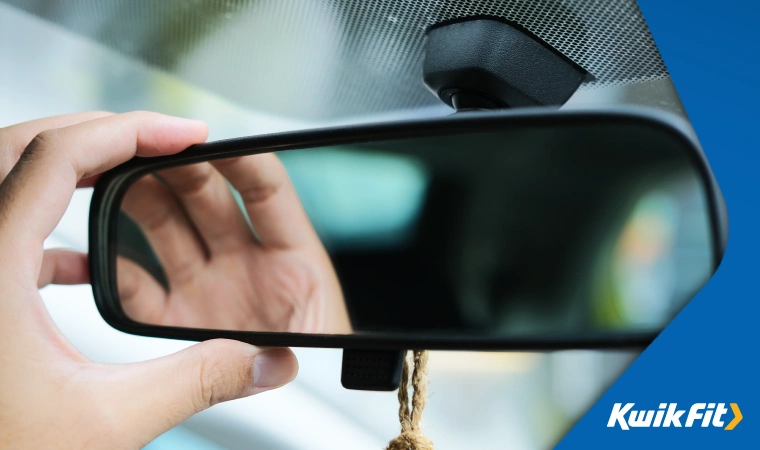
x,y
220,275
51,395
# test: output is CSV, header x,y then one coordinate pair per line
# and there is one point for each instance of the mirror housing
x,y
112,186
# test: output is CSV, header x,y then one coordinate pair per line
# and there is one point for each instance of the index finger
x,y
36,193
14,138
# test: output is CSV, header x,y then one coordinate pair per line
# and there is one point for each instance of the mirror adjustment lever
x,y
372,370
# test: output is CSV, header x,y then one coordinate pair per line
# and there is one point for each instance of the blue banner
x,y
696,386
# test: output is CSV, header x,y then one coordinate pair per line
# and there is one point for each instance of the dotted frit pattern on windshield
x,y
327,59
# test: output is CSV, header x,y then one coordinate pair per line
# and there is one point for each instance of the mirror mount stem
x,y
372,370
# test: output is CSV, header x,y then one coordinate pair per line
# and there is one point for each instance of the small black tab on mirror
x,y
372,370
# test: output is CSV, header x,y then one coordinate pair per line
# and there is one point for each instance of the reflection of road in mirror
x,y
200,265
568,232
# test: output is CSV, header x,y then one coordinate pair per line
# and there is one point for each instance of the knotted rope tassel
x,y
411,437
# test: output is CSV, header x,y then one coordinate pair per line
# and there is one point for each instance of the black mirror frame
x,y
112,185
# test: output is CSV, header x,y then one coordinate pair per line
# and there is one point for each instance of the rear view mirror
x,y
508,230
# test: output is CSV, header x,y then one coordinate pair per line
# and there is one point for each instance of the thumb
x,y
154,396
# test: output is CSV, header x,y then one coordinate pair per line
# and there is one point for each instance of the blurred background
x,y
477,400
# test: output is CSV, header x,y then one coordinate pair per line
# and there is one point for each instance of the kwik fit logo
x,y
668,415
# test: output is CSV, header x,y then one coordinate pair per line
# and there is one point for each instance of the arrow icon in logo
x,y
737,417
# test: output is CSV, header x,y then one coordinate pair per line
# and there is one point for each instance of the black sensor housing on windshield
x,y
492,63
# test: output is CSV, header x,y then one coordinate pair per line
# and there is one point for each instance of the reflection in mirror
x,y
541,232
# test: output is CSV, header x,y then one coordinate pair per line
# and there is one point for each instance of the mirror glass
x,y
563,231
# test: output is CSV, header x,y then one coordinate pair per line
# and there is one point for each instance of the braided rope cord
x,y
411,436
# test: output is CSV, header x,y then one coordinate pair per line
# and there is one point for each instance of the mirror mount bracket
x,y
372,370
486,63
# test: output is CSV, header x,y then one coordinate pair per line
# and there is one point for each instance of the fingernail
x,y
273,368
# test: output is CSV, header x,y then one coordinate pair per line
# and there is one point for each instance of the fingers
x,y
209,203
157,395
156,211
36,193
270,199
142,298
15,138
63,267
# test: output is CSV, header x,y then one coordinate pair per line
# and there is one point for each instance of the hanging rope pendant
x,y
411,437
